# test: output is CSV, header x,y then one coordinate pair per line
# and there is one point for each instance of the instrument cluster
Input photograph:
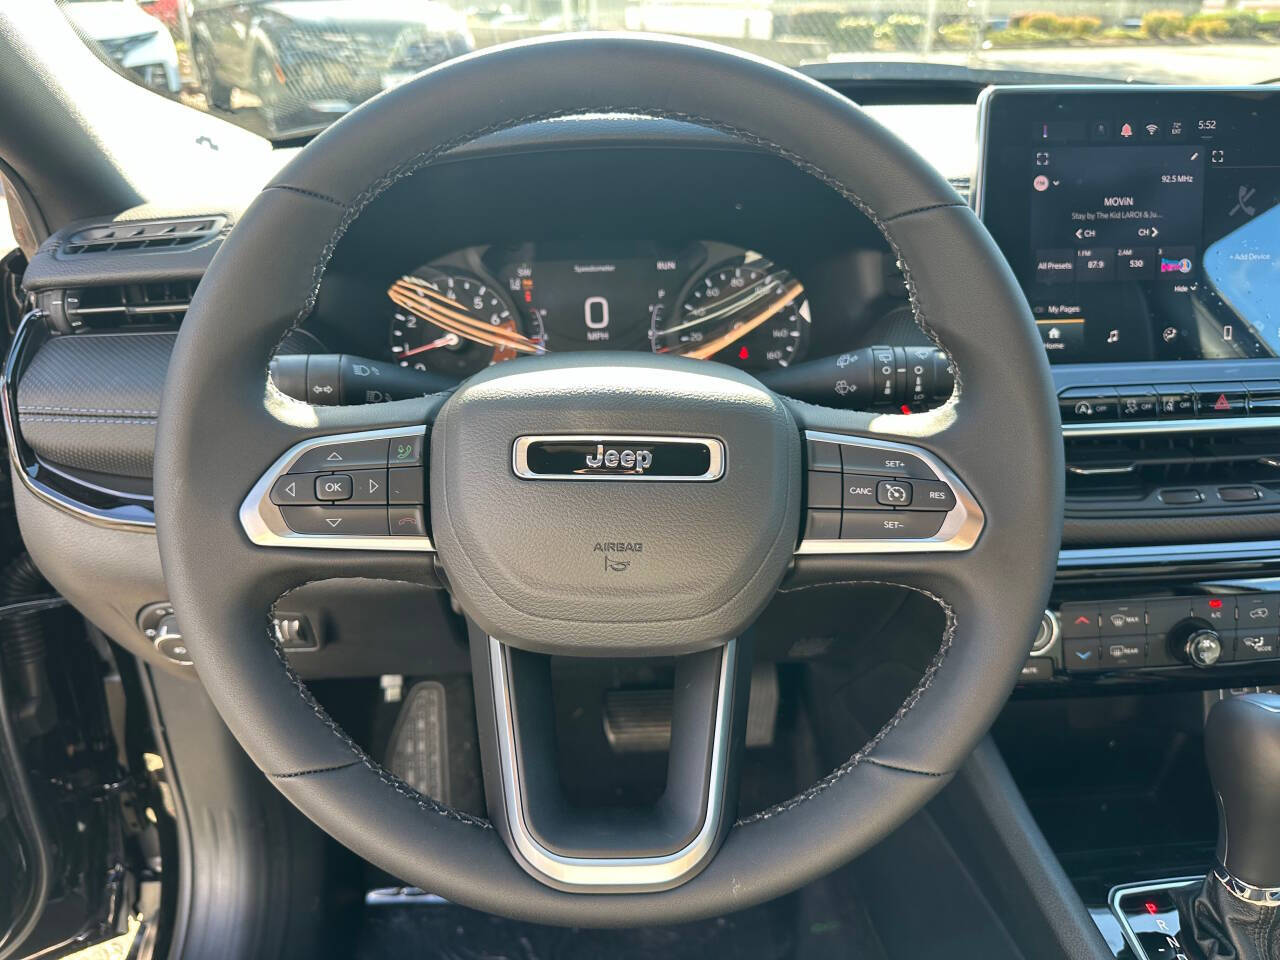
x,y
485,304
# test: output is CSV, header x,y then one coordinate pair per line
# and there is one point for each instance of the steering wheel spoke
x,y
610,849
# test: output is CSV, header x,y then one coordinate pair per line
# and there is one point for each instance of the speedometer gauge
x,y
745,312
451,323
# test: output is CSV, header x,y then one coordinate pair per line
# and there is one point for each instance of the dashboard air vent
x,y
961,185
141,235
125,305
1197,472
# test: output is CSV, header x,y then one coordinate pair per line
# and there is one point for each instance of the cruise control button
x,y
406,522
405,451
335,486
894,493
889,525
824,490
1079,619
340,456
1123,619
339,521
823,525
292,489
881,461
406,485
933,495
860,492
369,486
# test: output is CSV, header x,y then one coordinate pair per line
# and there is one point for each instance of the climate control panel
x,y
1206,631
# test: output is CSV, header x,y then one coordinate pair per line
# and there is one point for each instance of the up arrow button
x,y
354,453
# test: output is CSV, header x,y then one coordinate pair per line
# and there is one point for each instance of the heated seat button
x,y
894,493
337,521
823,525
860,492
932,495
293,489
335,486
406,485
889,525
368,486
882,461
1079,619
340,456
824,490
1123,619
406,521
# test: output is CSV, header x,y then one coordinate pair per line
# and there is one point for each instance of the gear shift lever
x,y
1236,914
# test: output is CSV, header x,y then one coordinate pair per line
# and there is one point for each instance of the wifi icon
x,y
1153,129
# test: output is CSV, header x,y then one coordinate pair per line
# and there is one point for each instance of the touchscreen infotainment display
x,y
1142,224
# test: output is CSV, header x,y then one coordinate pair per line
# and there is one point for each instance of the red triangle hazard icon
x,y
1221,403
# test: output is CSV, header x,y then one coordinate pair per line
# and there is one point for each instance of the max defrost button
x,y
889,525
340,521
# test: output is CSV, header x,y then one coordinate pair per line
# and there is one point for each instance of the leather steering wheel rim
x,y
222,424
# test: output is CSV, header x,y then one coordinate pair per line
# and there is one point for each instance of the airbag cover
x,y
693,563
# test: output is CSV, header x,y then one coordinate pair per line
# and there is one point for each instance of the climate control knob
x,y
1203,647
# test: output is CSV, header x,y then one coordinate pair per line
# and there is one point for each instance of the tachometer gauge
x,y
452,323
745,312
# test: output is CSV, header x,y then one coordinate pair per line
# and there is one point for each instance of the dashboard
x,y
706,300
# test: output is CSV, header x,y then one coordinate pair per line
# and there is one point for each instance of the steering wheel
x,y
713,485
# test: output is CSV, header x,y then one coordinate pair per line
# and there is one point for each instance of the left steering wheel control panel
x,y
348,491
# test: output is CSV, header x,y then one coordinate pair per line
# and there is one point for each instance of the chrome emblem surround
x,y
619,457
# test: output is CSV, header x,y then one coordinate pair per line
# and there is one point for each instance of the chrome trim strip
x,y
1119,428
959,531
264,523
1169,553
1156,886
603,875
520,457
1258,896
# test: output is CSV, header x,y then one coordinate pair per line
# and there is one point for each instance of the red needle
x,y
448,340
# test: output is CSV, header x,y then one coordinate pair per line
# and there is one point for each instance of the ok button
x,y
336,486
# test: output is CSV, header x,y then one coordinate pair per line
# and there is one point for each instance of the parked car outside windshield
x,y
287,68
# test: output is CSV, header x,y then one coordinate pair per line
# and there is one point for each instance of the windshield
x,y
287,68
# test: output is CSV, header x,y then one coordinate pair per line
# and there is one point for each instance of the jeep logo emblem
x,y
597,457
637,460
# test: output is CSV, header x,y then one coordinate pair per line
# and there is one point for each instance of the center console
x,y
1143,224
